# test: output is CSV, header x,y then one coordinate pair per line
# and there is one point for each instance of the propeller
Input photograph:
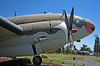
x,y
14,13
69,24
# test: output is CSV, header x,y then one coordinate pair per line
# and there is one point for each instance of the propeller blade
x,y
71,38
71,19
70,24
66,19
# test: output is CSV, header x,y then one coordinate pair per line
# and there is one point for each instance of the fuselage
x,y
46,29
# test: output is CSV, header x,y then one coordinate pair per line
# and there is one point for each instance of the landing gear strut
x,y
37,60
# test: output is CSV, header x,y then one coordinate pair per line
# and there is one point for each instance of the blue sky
x,y
89,9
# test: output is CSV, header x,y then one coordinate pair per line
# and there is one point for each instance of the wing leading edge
x,y
10,26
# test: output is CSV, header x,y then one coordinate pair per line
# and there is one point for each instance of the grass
x,y
63,57
60,56
60,62
66,57
97,59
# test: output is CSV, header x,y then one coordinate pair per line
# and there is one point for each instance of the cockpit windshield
x,y
79,21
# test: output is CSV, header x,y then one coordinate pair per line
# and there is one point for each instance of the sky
x,y
89,9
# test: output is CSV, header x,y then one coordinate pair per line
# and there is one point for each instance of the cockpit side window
x,y
79,21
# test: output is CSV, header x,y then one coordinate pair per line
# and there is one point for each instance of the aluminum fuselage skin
x,y
38,26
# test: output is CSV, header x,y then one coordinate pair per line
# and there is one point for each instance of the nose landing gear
x,y
37,60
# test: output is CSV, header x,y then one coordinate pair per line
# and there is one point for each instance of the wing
x,y
8,29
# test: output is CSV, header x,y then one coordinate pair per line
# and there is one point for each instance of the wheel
x,y
37,60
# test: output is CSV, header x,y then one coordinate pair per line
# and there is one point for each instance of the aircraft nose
x,y
90,26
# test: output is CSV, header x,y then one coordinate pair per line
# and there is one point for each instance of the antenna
x,y
15,13
44,12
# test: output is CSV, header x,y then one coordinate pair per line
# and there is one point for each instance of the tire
x,y
37,60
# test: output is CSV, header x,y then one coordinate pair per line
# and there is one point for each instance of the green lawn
x,y
97,59
60,62
65,56
60,56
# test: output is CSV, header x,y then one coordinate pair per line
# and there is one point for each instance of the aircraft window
x,y
79,21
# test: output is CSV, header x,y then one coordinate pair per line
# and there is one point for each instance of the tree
x,y
85,48
88,49
58,50
97,45
67,49
63,50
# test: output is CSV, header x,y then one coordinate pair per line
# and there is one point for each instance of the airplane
x,y
30,35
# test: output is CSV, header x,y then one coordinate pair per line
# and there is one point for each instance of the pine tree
x,y
97,45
